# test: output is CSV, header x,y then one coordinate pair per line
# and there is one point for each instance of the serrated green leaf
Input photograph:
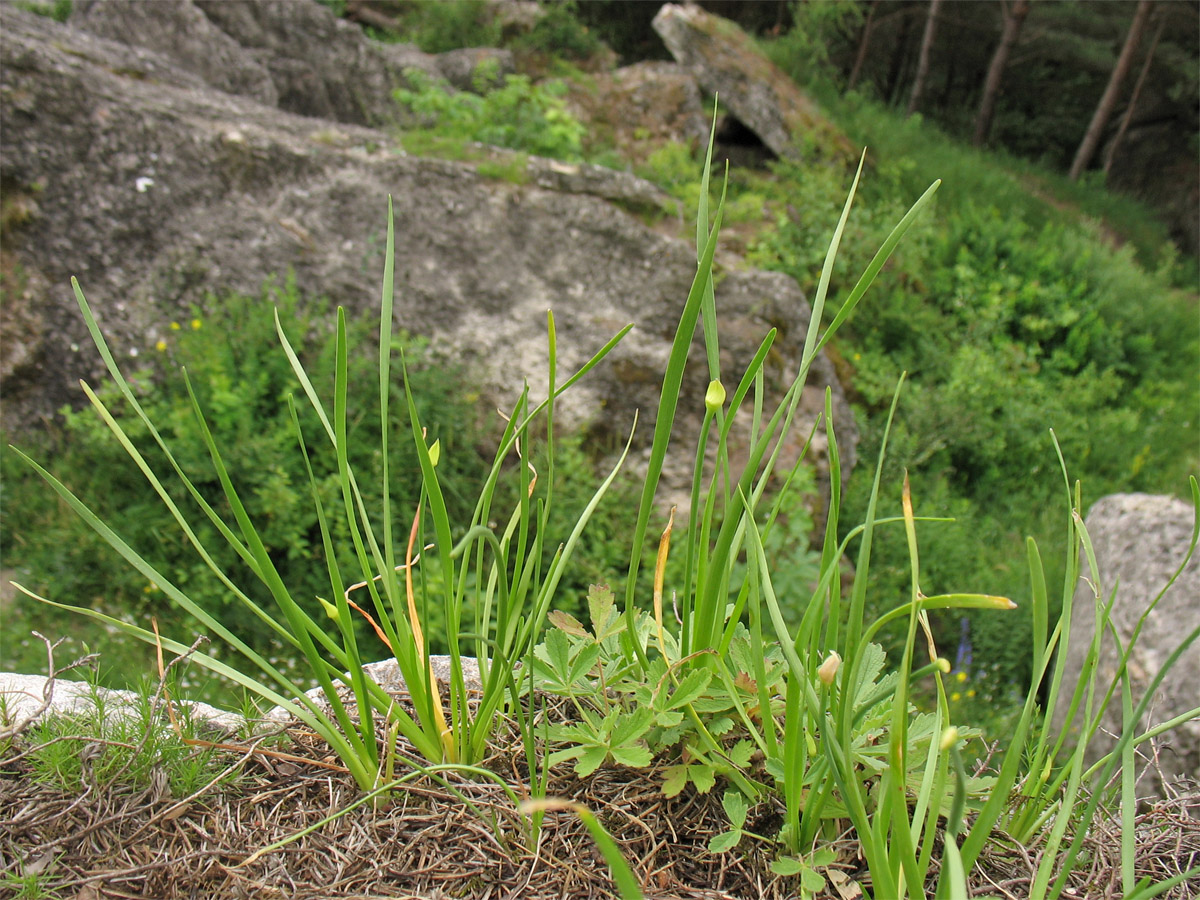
x,y
871,663
602,610
691,687
726,840
703,777
590,760
709,705
669,737
812,881
674,781
633,755
641,694
720,725
668,719
740,753
787,865
583,663
564,621
736,807
630,727
555,652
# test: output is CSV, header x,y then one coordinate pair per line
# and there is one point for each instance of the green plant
x,y
498,586
240,379
558,31
519,115
717,679
446,25
58,10
114,746
30,885
1008,309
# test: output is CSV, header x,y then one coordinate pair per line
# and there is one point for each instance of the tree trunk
x,y
899,56
1014,18
914,99
1133,98
863,42
1091,138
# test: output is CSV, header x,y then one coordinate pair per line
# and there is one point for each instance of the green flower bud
x,y
435,452
330,609
949,738
714,397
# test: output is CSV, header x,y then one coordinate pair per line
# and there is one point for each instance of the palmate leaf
x,y
590,760
629,727
675,780
703,777
736,807
690,688
726,840
554,663
741,753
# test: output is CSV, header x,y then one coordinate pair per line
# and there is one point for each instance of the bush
x,y
447,25
520,115
1009,320
240,378
559,32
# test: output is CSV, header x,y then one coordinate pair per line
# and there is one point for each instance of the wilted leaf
x,y
567,622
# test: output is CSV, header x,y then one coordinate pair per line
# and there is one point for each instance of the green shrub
x,y
58,10
446,25
1009,321
559,32
519,115
240,378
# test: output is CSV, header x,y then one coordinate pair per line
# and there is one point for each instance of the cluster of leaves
x,y
629,717
1009,319
558,31
58,10
127,749
240,378
440,27
704,720
519,114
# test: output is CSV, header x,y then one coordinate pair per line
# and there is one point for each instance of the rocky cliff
x,y
163,172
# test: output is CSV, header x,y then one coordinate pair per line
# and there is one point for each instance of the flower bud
x,y
435,452
943,665
949,738
330,609
714,397
828,669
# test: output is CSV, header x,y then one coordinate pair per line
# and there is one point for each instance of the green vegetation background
x,y
1022,303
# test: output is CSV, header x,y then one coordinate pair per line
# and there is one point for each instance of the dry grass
x,y
424,843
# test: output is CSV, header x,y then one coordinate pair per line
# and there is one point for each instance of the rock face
x,y
296,56
1139,541
725,62
157,190
27,699
644,105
